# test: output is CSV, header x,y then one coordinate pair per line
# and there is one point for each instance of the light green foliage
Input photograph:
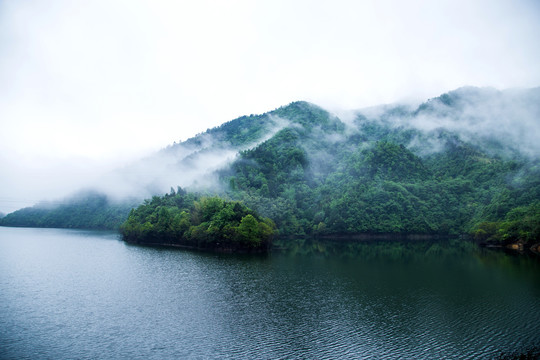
x,y
204,223
248,230
521,224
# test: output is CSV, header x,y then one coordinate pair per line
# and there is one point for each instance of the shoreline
x,y
222,250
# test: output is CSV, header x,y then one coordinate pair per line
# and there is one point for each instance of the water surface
x,y
68,294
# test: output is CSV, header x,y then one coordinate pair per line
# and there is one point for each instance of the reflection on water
x,y
418,252
383,249
69,294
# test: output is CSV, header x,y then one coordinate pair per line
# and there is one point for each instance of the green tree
x,y
249,231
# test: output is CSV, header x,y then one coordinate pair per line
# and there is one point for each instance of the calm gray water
x,y
85,295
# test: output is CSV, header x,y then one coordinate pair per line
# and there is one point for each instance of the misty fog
x,y
503,123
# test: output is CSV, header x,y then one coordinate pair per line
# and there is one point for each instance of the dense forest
x,y
197,222
84,210
466,162
324,178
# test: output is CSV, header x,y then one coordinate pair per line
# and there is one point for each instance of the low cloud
x,y
503,122
192,165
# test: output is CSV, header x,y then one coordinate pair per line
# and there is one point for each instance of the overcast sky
x,y
88,85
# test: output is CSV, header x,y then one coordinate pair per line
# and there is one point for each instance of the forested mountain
x,y
384,173
84,210
464,162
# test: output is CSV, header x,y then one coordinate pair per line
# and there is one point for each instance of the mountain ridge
x,y
440,167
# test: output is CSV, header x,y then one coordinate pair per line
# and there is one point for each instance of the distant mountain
x,y
464,162
83,210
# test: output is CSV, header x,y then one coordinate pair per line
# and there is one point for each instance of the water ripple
x,y
68,296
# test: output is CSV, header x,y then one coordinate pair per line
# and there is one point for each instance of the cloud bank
x,y
86,86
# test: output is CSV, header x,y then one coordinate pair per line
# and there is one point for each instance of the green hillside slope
x,y
466,162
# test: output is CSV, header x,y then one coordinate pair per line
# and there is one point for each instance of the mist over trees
x,y
84,210
464,162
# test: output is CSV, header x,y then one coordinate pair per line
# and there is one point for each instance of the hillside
x,y
464,162
84,210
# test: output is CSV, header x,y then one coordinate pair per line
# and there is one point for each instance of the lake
x,y
68,294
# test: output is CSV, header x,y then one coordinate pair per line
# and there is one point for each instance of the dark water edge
x,y
343,238
81,294
208,249
390,236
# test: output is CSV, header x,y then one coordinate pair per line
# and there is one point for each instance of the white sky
x,y
88,85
